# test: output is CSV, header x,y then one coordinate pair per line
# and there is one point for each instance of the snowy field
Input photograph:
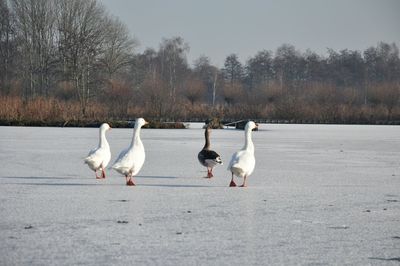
x,y
319,195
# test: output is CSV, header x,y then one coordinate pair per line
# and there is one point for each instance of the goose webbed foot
x,y
129,182
210,174
232,183
97,177
244,182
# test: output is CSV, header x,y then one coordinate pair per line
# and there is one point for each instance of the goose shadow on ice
x,y
42,177
174,185
55,184
42,181
156,176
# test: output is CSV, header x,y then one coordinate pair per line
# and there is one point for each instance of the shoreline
x,y
177,124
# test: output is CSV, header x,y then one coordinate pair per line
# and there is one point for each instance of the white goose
x,y
243,162
131,160
99,158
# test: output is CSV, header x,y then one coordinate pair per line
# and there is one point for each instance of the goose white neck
x,y
102,139
248,144
136,135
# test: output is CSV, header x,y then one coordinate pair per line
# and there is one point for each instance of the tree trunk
x,y
214,88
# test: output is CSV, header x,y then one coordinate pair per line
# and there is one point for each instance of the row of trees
x,y
74,51
47,45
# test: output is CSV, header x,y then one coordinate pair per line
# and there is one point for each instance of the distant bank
x,y
216,123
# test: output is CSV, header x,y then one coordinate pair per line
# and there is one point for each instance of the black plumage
x,y
205,155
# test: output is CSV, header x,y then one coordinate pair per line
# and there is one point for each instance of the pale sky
x,y
217,28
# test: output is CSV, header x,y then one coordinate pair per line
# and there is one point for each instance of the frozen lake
x,y
320,194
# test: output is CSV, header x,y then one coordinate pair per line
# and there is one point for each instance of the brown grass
x,y
46,111
314,105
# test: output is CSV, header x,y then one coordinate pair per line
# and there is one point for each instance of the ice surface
x,y
319,195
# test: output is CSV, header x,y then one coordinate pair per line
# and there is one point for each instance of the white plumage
x,y
99,158
131,160
243,162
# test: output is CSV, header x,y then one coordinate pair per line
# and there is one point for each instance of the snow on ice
x,y
319,195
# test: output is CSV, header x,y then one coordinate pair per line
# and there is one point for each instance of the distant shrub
x,y
214,123
165,125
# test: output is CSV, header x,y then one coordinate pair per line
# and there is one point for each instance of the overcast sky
x,y
217,28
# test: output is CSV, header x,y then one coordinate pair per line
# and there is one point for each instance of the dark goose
x,y
207,157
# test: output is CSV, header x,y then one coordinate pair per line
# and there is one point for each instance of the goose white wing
x,y
121,156
98,157
130,161
234,159
123,160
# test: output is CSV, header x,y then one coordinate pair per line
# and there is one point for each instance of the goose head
x,y
140,122
104,127
251,125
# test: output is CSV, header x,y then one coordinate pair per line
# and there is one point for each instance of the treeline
x,y
71,60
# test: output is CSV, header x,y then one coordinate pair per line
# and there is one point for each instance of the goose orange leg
x,y
97,177
129,181
244,181
209,172
103,173
232,184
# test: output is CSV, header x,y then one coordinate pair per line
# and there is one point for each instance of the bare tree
x,y
233,69
172,54
208,74
287,66
259,69
35,25
195,90
346,68
154,96
7,49
118,47
215,75
82,25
